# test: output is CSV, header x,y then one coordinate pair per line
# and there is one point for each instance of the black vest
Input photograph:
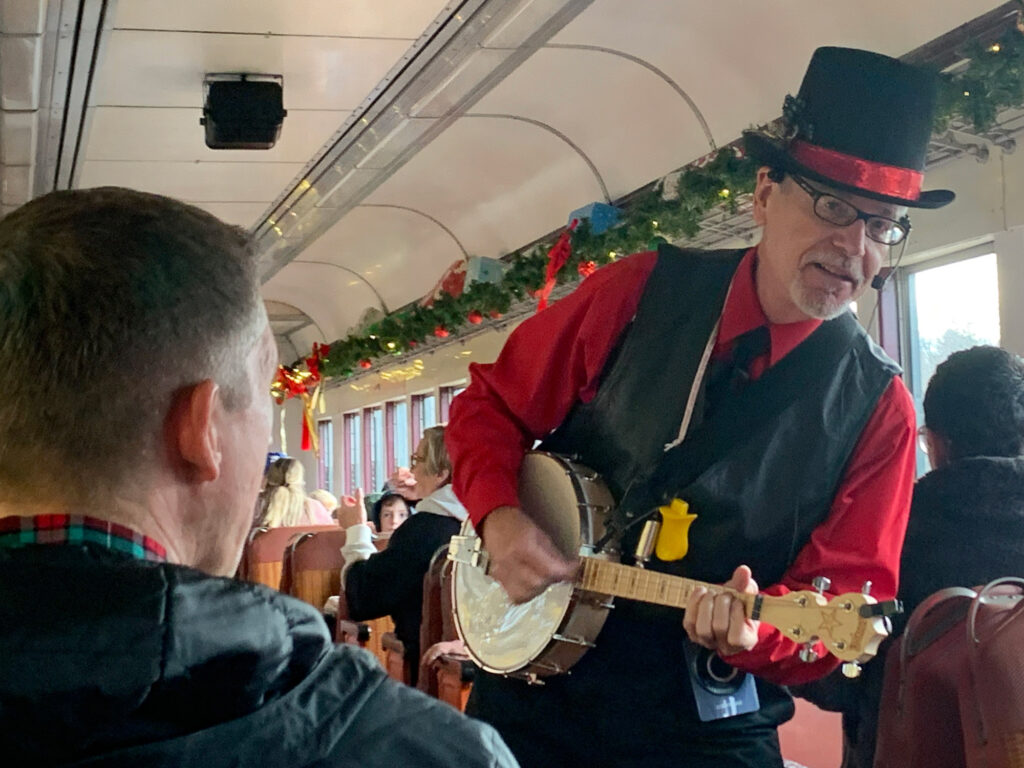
x,y
762,473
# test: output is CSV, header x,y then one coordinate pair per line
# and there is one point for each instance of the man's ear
x,y
192,432
762,191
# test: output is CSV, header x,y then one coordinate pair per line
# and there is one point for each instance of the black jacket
x,y
966,528
110,661
390,583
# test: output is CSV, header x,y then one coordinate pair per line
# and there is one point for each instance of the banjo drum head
x,y
502,637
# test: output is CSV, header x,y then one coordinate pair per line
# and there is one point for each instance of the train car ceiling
x,y
417,131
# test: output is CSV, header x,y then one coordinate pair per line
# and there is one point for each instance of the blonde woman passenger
x,y
284,503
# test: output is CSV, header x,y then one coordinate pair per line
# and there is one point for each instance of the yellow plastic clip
x,y
674,538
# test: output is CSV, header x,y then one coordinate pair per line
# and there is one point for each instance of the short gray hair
x,y
111,301
435,452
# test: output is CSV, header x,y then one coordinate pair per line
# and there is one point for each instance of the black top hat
x,y
860,123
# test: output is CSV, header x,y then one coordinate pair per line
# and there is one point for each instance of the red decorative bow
x,y
557,257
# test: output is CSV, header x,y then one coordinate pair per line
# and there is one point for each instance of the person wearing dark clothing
x,y
135,662
390,582
736,382
124,509
966,519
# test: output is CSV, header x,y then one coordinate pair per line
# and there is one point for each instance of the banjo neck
x,y
618,580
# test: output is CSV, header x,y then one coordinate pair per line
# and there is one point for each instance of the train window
x,y
325,462
353,451
397,424
376,449
447,395
424,414
948,307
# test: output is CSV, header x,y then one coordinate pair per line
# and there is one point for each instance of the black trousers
x,y
628,702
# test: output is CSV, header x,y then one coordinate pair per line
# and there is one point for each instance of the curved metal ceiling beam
x,y
646,65
383,305
298,311
418,212
559,134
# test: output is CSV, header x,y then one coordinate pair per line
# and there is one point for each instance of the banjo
x,y
548,634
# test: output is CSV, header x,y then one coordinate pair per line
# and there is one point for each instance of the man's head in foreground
x,y
135,362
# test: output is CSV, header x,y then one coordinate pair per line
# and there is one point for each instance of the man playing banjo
x,y
739,383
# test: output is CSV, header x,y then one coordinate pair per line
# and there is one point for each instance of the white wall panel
x,y
244,215
333,302
401,254
351,18
631,124
174,134
496,183
143,68
205,182
737,59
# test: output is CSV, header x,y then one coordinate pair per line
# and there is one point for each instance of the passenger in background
x,y
327,499
391,582
124,507
389,512
403,482
966,520
284,503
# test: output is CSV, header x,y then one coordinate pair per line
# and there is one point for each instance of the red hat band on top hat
x,y
889,180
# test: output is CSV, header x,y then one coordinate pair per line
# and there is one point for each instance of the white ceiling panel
x,y
199,182
737,59
240,214
401,253
495,183
174,134
631,124
165,69
333,304
352,18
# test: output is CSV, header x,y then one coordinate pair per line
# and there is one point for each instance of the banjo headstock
x,y
850,626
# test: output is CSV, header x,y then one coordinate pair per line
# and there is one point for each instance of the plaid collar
x,y
19,531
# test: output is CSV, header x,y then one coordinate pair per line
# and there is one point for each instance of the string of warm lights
x,y
992,81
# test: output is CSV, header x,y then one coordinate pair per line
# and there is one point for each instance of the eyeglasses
x,y
837,211
414,460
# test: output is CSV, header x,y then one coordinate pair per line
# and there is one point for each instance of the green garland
x,y
993,81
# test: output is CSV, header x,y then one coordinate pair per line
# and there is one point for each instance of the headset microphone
x,y
878,282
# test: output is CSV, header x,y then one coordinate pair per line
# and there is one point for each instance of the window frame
x,y
446,394
352,479
390,427
416,420
325,460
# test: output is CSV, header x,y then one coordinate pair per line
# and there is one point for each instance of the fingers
x,y
742,581
718,621
522,557
742,633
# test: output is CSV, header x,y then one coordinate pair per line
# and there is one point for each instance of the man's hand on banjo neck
x,y
718,622
522,558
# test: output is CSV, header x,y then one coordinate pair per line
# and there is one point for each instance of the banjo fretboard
x,y
608,578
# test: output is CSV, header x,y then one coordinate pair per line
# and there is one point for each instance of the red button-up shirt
x,y
555,359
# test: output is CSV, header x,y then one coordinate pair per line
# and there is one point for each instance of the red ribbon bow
x,y
557,258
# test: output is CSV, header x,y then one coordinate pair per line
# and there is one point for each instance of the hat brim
x,y
772,152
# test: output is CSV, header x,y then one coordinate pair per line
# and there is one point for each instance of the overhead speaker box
x,y
242,111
